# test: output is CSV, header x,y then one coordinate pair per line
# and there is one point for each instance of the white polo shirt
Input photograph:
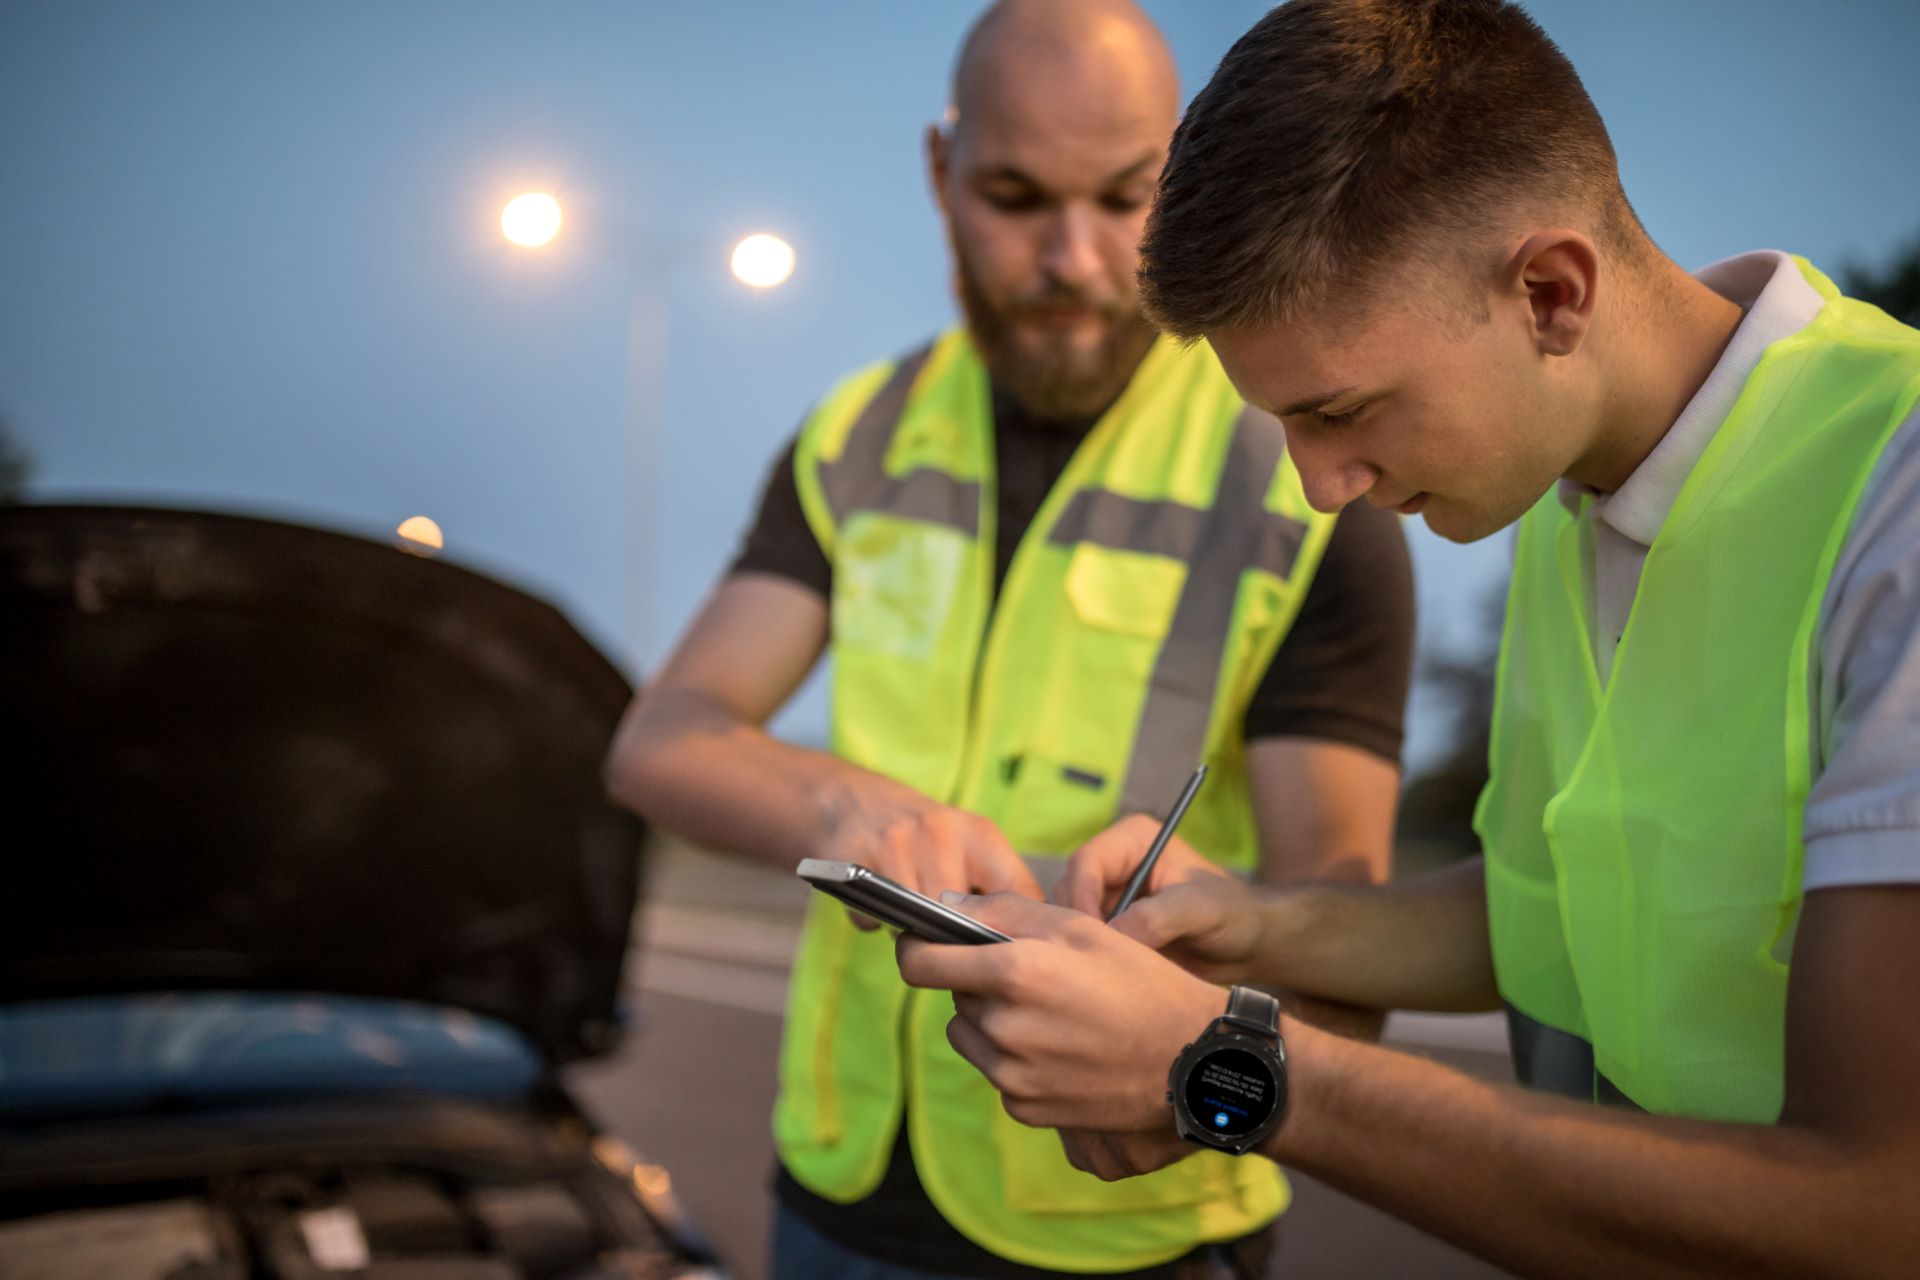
x,y
1863,813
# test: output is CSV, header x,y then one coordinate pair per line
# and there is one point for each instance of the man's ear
x,y
1557,272
939,156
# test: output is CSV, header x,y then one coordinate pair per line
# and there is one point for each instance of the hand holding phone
x,y
894,904
917,843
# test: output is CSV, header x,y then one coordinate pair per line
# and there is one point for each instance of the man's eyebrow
x,y
1004,173
1133,170
1013,173
1313,404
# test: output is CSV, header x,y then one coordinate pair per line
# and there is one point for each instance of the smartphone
x,y
895,904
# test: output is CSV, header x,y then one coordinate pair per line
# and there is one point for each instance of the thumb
x,y
1081,888
1167,917
1099,867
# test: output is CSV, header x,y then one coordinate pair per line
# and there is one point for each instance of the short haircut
x,y
1339,137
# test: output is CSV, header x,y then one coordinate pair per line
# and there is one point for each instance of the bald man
x,y
1056,562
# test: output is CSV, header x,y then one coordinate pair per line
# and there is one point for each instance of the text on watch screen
x,y
1230,1092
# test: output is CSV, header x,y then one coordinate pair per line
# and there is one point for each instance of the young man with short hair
x,y
1400,225
1057,562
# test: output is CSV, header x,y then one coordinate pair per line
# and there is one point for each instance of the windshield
x,y
59,1057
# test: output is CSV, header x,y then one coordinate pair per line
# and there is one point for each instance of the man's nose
x,y
1071,253
1329,476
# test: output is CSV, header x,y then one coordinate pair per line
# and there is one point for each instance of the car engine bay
x,y
371,1223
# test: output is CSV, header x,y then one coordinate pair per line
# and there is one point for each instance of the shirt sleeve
x,y
1863,811
1342,673
780,541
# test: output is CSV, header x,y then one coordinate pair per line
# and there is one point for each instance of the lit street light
x,y
531,220
762,261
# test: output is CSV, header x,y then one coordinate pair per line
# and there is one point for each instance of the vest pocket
x,y
1126,594
1103,654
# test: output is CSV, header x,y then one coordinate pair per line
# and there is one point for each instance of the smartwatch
x,y
1228,1089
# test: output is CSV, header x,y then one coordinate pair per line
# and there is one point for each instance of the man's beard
x,y
1055,382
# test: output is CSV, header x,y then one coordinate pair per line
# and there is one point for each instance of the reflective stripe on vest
x,y
1643,834
858,479
1217,545
1145,599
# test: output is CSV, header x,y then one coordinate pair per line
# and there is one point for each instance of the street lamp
x,y
760,261
531,220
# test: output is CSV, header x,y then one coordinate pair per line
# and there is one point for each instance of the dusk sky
x,y
250,260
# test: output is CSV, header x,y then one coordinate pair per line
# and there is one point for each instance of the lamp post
x,y
760,261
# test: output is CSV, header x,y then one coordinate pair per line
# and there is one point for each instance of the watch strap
x,y
1254,1011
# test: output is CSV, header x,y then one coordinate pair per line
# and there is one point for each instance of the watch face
x,y
1230,1092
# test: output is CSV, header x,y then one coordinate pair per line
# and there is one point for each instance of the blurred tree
x,y
1895,291
1436,810
13,466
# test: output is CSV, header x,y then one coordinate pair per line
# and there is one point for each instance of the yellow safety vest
x,y
1139,613
1643,835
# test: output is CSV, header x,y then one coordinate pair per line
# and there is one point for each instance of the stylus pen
x,y
1154,850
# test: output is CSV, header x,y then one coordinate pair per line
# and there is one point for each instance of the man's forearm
x,y
1421,944
1355,1022
1550,1187
694,768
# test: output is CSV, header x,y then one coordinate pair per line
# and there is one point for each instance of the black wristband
x,y
1254,1010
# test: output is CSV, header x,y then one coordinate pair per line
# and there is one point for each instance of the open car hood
x,y
246,755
